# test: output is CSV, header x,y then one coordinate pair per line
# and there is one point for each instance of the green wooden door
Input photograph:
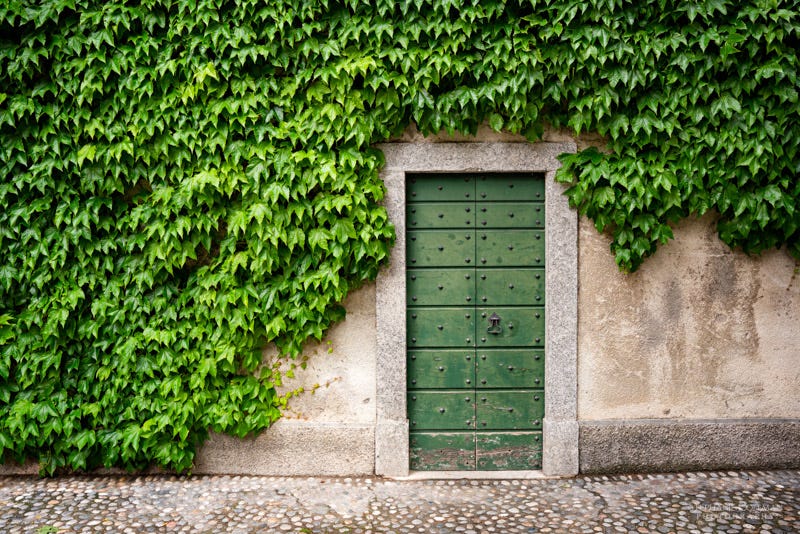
x,y
475,282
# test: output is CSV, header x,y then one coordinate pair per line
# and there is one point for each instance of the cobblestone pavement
x,y
686,502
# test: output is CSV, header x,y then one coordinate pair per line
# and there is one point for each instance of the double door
x,y
475,316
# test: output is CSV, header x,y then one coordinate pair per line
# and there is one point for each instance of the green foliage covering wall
x,y
182,182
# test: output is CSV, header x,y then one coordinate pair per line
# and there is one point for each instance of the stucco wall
x,y
329,428
340,371
698,332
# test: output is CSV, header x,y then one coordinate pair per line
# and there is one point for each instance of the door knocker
x,y
494,324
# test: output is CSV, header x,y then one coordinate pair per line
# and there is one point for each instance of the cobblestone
x,y
675,503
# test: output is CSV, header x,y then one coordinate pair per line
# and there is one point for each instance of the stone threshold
x,y
475,475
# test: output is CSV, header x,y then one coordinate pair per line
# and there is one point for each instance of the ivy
x,y
185,181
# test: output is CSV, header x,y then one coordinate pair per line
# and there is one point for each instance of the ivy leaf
x,y
319,238
496,122
603,196
725,105
772,194
86,152
343,230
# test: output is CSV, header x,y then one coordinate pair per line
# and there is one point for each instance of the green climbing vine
x,y
185,181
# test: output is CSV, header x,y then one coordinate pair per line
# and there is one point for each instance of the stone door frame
x,y
560,425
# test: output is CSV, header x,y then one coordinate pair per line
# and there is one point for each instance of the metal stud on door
x,y
475,253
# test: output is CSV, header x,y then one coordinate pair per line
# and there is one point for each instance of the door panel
x,y
442,187
437,287
510,286
441,369
508,187
510,215
503,451
509,410
442,451
440,248
441,215
441,410
521,327
440,327
510,368
509,248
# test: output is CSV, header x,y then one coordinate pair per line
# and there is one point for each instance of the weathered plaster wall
x,y
329,428
699,332
340,371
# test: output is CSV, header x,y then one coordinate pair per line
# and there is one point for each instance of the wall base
x,y
292,448
653,445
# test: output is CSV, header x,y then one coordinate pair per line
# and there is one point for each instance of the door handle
x,y
494,324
